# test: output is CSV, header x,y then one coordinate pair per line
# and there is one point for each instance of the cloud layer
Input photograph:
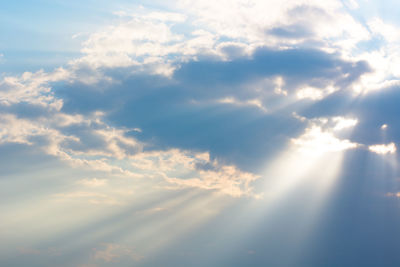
x,y
178,113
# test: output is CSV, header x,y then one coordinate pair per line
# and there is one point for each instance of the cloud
x,y
388,31
196,170
383,148
236,96
144,40
51,135
76,141
314,93
168,113
87,141
293,23
319,137
153,40
189,92
315,140
296,65
31,88
372,111
99,120
381,52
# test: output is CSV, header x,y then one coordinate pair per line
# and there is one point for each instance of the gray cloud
x,y
184,111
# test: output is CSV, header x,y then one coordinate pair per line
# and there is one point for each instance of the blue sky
x,y
199,133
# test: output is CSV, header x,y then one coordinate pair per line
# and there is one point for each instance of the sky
x,y
199,133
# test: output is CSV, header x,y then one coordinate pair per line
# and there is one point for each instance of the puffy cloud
x,y
343,123
315,140
32,88
388,31
124,44
144,40
158,41
291,23
314,93
383,148
319,137
381,52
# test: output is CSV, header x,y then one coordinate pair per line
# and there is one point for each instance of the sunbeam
x,y
199,133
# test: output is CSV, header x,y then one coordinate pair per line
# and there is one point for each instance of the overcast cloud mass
x,y
199,133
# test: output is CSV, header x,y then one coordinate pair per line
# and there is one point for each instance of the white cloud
x,y
317,141
383,148
319,137
144,40
320,20
147,39
45,135
124,44
32,88
225,179
310,92
389,32
336,123
343,123
383,57
16,130
353,4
